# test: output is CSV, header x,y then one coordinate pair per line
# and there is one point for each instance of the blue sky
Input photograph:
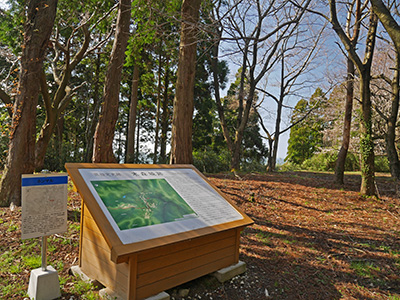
x,y
3,3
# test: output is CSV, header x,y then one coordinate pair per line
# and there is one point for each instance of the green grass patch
x,y
85,289
11,290
289,242
397,263
81,287
32,262
6,260
365,268
12,227
74,227
15,269
265,238
51,248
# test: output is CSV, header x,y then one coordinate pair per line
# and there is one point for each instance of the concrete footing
x,y
222,275
228,273
44,285
108,294
77,272
160,296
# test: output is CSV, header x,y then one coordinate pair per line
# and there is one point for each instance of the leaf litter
x,y
311,239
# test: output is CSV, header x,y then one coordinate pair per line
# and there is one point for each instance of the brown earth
x,y
311,239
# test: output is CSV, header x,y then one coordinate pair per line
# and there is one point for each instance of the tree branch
x,y
45,92
7,100
390,24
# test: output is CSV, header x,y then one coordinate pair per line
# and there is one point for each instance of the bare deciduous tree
x,y
385,93
353,39
295,57
393,29
255,29
363,67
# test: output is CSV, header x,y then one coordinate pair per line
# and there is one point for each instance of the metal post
x,y
44,253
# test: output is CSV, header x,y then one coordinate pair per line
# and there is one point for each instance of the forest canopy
x,y
112,84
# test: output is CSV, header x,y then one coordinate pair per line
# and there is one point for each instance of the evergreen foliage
x,y
154,48
306,135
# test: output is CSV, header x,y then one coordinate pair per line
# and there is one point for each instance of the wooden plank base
x,y
155,270
138,270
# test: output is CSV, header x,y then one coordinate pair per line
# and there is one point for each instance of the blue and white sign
x,y
44,204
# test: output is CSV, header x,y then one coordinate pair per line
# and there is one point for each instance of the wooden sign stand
x,y
142,269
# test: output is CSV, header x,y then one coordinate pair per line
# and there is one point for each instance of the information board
x,y
44,204
143,204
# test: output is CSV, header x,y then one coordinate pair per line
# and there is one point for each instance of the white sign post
x,y
44,212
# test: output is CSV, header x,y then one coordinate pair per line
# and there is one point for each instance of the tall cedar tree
x,y
181,143
38,26
104,135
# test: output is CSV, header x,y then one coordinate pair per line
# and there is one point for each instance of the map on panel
x,y
143,202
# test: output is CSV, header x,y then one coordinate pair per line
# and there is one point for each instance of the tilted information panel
x,y
143,204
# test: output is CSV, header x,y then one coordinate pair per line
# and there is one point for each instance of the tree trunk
x,y
48,126
156,138
130,147
393,29
237,144
139,119
364,70
181,144
104,135
7,101
45,135
91,128
21,154
241,120
272,165
270,147
235,159
366,141
164,118
220,108
391,125
55,106
60,145
340,163
276,138
241,84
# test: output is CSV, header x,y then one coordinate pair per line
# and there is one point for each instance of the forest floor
x,y
311,239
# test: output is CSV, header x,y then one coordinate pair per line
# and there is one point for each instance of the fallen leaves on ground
x,y
311,239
